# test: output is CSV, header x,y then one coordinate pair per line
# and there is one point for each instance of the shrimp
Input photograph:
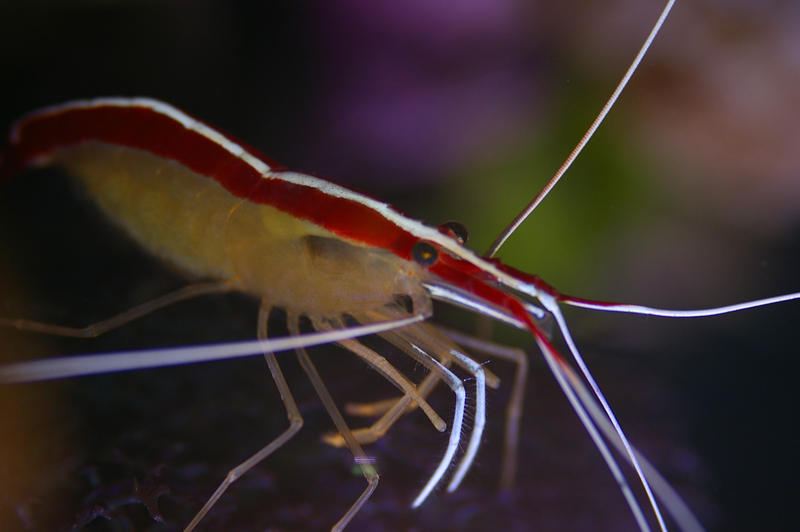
x,y
542,339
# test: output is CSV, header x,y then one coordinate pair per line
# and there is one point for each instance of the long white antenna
x,y
551,304
668,313
77,366
523,215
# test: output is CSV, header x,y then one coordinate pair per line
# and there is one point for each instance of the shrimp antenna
x,y
669,313
82,365
523,215
585,402
551,304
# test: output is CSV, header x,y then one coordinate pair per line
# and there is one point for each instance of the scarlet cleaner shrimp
x,y
460,277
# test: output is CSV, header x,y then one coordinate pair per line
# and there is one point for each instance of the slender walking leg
x,y
292,412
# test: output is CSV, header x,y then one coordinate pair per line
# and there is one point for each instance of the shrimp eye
x,y
455,230
424,253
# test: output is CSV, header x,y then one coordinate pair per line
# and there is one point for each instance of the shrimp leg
x,y
424,356
96,329
360,458
434,366
376,408
515,401
370,434
430,340
382,366
378,429
424,388
384,408
424,339
292,412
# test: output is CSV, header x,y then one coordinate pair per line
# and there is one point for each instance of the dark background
x,y
688,197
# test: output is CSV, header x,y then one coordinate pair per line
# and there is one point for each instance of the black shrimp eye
x,y
455,230
424,253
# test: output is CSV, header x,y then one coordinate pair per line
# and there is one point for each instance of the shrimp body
x,y
214,222
217,209
198,199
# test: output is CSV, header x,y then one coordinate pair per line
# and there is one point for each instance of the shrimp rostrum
x,y
337,260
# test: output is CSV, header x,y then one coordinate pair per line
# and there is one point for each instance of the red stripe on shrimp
x,y
162,130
